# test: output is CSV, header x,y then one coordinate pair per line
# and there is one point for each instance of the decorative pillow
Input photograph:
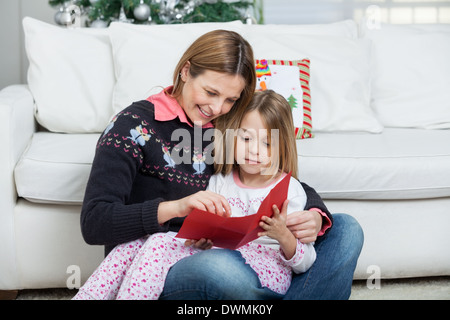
x,y
291,80
70,76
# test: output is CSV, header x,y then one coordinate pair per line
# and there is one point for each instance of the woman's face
x,y
209,95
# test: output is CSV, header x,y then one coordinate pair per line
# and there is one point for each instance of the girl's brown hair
x,y
221,51
276,113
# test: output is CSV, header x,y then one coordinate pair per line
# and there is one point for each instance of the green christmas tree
x,y
200,11
292,101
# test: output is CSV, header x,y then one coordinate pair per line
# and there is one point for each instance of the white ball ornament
x,y
98,23
57,16
142,11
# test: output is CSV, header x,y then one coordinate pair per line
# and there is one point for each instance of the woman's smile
x,y
204,113
209,95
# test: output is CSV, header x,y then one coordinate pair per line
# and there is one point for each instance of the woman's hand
x,y
305,225
202,244
203,200
207,201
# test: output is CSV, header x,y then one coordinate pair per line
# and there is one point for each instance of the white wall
x,y
325,11
13,62
305,11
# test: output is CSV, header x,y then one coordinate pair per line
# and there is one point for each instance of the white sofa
x,y
380,151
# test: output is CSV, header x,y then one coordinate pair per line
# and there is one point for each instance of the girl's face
x,y
209,95
252,152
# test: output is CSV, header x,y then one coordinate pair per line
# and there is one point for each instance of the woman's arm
x,y
314,201
315,221
106,216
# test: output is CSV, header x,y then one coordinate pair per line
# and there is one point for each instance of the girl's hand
x,y
276,228
202,244
203,200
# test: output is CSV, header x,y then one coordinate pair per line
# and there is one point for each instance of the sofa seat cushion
x,y
55,167
396,164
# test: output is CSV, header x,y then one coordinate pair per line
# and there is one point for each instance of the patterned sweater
x,y
147,154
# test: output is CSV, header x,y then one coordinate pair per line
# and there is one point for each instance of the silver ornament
x,y
142,11
98,23
57,16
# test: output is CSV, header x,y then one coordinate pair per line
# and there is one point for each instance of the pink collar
x,y
238,182
167,108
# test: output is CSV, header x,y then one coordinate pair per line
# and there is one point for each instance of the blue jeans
x,y
223,274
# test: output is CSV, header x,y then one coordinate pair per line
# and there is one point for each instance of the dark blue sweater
x,y
138,164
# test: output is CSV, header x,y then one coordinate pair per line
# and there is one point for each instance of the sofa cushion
x,y
397,164
55,167
70,76
345,28
146,56
340,75
410,81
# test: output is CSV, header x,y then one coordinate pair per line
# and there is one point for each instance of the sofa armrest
x,y
17,126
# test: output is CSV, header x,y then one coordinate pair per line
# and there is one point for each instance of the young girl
x,y
264,151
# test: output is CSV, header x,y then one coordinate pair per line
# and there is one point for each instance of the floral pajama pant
x,y
137,270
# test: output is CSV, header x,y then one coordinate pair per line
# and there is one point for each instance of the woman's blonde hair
x,y
277,116
221,51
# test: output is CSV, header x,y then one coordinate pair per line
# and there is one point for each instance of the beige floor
x,y
437,288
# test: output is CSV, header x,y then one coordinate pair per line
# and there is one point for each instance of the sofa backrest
x,y
361,80
410,69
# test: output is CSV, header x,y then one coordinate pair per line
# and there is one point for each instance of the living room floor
x,y
433,288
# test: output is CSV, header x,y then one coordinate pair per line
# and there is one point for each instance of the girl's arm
x,y
297,255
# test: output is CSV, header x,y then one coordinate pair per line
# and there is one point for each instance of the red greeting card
x,y
233,232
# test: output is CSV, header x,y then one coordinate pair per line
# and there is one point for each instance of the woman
x,y
154,161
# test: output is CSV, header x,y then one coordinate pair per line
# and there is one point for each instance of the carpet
x,y
433,288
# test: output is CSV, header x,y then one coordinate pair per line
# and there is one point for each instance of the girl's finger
x,y
284,208
276,211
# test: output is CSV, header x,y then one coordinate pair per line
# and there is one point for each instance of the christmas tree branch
x,y
219,11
